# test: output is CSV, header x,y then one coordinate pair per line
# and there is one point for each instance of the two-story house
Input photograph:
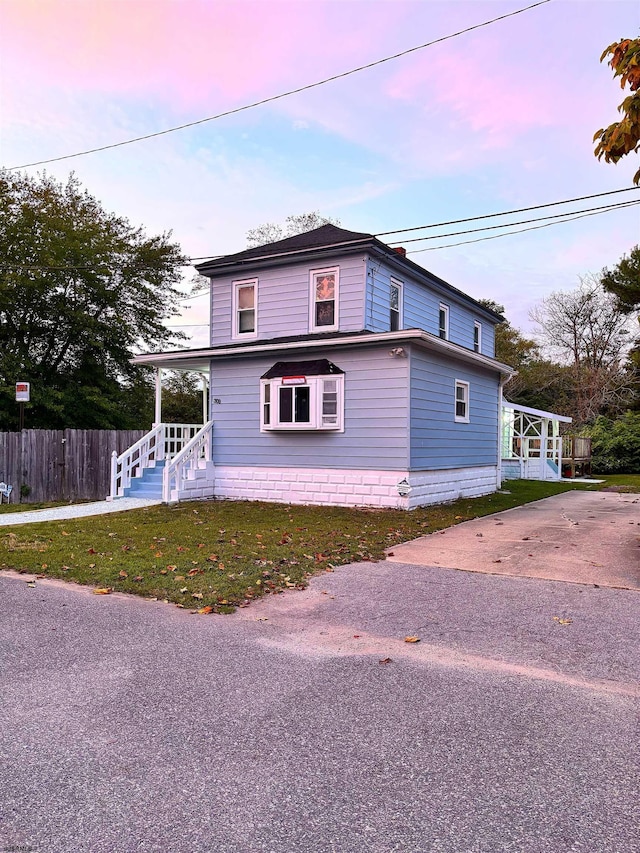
x,y
340,372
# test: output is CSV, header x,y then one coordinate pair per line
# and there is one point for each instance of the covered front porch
x,y
173,461
531,443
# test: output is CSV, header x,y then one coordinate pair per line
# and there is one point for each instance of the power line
x,y
283,94
562,217
502,213
467,219
615,206
519,231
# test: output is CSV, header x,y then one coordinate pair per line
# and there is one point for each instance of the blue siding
x,y
376,415
436,440
284,296
421,307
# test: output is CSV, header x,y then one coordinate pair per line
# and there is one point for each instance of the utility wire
x,y
509,233
502,213
561,216
283,94
471,218
615,206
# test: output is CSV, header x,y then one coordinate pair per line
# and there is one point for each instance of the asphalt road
x,y
512,725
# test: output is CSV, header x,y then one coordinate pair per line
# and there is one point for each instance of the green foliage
x,y
624,281
80,290
623,137
182,398
615,444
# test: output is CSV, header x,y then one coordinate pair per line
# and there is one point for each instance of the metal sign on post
x,y
22,392
22,396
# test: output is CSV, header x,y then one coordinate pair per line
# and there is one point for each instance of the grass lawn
x,y
214,556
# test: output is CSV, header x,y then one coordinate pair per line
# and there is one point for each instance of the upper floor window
x,y
477,336
462,402
395,305
302,396
324,299
443,321
245,313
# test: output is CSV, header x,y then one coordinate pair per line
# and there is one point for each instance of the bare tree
x,y
271,232
585,330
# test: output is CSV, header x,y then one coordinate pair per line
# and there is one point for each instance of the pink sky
x,y
497,118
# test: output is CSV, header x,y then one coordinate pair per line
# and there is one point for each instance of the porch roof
x,y
199,359
540,413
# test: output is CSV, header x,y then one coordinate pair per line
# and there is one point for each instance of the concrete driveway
x,y
580,537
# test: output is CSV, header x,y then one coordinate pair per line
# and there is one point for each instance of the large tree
x,y
80,290
622,137
271,232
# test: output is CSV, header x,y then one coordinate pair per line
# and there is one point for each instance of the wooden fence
x,y
60,465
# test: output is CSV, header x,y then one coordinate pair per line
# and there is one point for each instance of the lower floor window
x,y
462,401
313,402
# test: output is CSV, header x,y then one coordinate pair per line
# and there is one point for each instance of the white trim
x,y
236,334
443,308
477,326
460,419
333,270
539,412
394,282
426,339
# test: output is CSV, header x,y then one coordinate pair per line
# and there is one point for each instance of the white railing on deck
x,y
162,442
197,451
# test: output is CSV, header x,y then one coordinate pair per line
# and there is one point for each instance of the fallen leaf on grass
x,y
412,639
171,568
64,533
206,609
103,590
138,578
197,595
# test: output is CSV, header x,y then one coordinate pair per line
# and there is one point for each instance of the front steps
x,y
148,485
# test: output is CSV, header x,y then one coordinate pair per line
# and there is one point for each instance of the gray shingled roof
x,y
322,237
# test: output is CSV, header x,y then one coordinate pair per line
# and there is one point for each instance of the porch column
x,y
205,406
158,409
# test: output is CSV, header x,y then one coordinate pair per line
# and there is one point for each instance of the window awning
x,y
319,367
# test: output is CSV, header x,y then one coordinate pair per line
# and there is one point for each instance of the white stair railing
x,y
147,450
190,458
162,442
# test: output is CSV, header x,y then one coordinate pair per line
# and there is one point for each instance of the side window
x,y
324,300
462,402
477,337
245,313
443,321
395,305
